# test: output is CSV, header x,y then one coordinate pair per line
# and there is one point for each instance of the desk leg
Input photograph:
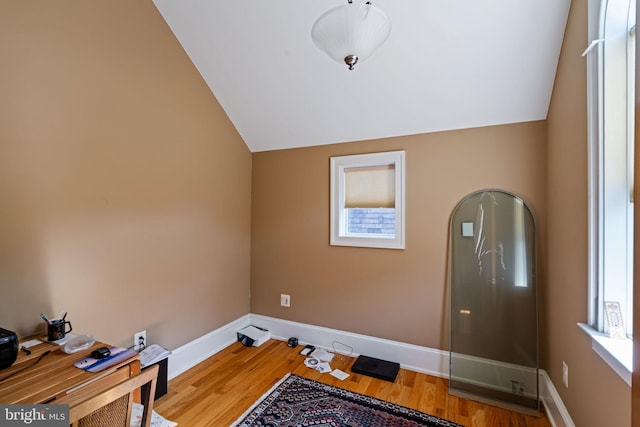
x,y
134,369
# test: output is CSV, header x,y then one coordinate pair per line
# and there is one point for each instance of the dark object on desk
x,y
101,353
118,355
57,329
8,348
24,368
376,368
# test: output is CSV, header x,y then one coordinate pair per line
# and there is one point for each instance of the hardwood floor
x,y
220,389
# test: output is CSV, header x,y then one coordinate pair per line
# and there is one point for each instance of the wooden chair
x,y
112,407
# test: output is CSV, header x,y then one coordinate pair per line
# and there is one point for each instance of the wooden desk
x,y
55,377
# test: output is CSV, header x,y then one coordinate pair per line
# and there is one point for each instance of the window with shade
x,y
367,200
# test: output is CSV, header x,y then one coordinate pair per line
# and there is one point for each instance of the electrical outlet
x,y
565,374
140,340
517,387
285,300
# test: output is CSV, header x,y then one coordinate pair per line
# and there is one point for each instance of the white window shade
x,y
370,187
368,200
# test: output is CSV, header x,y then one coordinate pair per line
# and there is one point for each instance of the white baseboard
x,y
200,349
415,358
495,375
556,411
412,357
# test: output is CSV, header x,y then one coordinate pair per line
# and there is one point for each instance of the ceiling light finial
x,y
351,33
351,60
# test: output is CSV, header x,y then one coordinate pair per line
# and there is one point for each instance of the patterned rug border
x,y
259,401
264,402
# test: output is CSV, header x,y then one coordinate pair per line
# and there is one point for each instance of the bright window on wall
x,y
611,169
367,200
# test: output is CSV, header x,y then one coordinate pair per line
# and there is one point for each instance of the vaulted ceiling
x,y
448,64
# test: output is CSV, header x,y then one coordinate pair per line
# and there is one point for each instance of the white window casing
x,y
371,181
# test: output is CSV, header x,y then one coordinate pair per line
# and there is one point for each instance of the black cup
x,y
57,329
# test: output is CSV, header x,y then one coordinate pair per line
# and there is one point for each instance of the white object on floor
x,y
156,420
341,375
313,363
323,367
322,355
258,335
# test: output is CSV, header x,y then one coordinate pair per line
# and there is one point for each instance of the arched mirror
x,y
494,313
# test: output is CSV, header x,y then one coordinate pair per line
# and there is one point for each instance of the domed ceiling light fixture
x,y
351,33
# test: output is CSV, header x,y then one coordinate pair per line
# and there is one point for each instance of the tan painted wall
x,y
111,157
124,188
596,395
393,294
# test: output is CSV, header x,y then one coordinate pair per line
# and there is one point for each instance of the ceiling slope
x,y
447,65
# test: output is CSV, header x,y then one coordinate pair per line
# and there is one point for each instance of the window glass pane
x,y
613,170
371,221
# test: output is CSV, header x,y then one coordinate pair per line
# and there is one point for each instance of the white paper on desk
x,y
31,343
153,354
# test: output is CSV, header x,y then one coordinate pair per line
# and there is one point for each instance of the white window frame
x,y
609,116
339,234
615,213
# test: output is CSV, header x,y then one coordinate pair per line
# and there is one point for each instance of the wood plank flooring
x,y
220,389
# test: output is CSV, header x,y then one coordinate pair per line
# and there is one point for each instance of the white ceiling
x,y
448,64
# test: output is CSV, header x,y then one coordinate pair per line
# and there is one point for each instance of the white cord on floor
x,y
333,345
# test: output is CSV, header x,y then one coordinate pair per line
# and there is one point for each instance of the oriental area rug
x,y
298,401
